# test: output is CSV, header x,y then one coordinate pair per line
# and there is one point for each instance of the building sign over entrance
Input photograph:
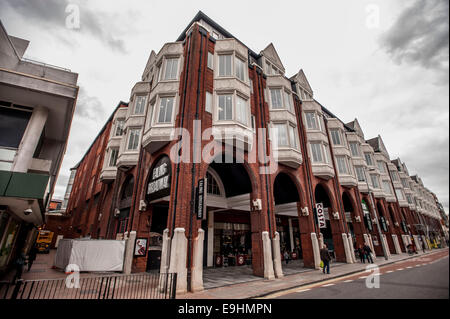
x,y
366,212
320,215
159,181
200,198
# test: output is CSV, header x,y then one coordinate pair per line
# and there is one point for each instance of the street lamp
x,y
376,216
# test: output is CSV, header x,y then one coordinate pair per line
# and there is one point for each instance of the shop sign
x,y
375,240
200,199
159,182
320,215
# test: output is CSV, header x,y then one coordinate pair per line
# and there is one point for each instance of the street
x,y
418,278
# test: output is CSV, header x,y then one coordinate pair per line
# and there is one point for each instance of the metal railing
x,y
134,286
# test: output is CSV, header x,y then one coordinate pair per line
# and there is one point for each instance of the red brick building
x,y
280,169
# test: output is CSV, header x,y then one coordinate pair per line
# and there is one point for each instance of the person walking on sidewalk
x,y
325,257
368,253
362,254
19,263
286,256
32,256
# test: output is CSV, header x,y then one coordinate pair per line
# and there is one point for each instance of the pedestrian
x,y
286,256
32,256
423,246
368,253
19,263
362,254
325,257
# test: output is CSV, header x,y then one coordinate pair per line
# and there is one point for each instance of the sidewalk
x,y
263,287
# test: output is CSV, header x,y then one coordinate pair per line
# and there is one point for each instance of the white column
x,y
396,244
352,249
277,256
267,256
30,140
165,252
129,250
372,248
178,254
291,234
316,250
210,252
388,252
197,267
348,257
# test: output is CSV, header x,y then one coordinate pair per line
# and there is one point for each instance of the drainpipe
x,y
307,163
177,174
192,203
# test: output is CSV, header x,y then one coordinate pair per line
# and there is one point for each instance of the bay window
x,y
368,158
292,136
312,121
275,97
113,157
375,182
387,187
240,69
399,194
119,127
316,152
336,136
380,165
282,136
394,176
360,173
288,101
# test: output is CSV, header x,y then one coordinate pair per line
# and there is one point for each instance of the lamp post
x,y
376,216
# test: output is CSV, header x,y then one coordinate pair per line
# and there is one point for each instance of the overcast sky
x,y
388,70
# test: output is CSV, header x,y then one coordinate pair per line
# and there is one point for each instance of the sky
x,y
383,62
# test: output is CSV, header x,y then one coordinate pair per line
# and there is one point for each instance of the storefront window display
x,y
7,241
232,244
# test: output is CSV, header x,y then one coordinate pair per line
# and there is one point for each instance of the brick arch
x,y
296,181
329,194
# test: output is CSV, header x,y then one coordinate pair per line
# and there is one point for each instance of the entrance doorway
x,y
160,213
321,196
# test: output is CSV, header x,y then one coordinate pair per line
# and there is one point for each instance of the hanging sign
x,y
159,181
200,198
320,215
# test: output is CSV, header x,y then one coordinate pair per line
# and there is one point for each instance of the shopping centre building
x,y
220,159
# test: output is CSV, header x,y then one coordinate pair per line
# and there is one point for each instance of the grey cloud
x,y
51,14
88,107
420,35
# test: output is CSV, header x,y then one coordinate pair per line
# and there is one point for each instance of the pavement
x,y
425,277
264,288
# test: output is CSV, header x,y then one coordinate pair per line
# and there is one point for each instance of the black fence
x,y
134,286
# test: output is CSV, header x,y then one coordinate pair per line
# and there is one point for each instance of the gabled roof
x,y
270,53
301,79
356,127
378,145
150,61
328,112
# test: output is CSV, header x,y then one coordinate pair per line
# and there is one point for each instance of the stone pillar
x,y
165,252
316,250
277,256
210,252
291,234
129,249
383,238
321,240
425,242
417,243
267,256
374,255
30,139
178,254
348,257
352,248
197,267
398,250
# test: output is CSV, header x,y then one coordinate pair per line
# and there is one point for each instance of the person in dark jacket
x,y
32,256
362,254
368,252
325,257
19,263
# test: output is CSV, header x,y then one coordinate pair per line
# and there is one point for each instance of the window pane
x,y
241,110
288,101
171,69
368,158
335,136
311,121
354,147
292,138
133,141
119,127
380,165
113,158
225,107
387,187
165,110
281,132
360,173
240,69
342,165
210,60
275,95
139,105
374,179
12,126
225,65
208,103
316,150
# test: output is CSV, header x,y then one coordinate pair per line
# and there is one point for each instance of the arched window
x,y
212,187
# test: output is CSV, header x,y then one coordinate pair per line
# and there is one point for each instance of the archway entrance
x,y
286,198
228,253
125,199
349,214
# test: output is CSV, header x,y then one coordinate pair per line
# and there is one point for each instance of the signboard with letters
x,y
159,180
320,215
200,198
